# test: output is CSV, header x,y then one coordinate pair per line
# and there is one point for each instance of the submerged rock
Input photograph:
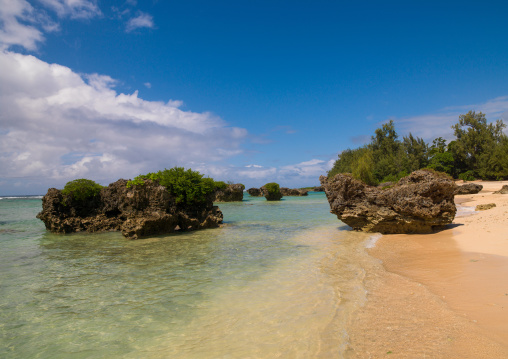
x,y
255,192
469,188
418,203
232,193
139,211
293,192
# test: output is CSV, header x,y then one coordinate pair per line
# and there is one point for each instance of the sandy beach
x,y
440,295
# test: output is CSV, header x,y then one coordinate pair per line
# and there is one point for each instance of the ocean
x,y
278,280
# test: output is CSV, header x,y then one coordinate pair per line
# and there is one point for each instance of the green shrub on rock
x,y
221,185
188,186
272,191
81,189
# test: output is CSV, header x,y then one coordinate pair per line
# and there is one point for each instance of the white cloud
x,y
75,9
140,21
439,124
148,85
297,175
23,24
57,124
17,25
308,169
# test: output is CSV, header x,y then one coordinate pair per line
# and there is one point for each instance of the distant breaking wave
x,y
22,197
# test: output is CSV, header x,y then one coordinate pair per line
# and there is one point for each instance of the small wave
x,y
371,242
463,211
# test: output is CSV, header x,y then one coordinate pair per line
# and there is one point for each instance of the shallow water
x,y
278,280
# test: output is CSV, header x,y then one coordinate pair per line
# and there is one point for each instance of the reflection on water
x,y
268,278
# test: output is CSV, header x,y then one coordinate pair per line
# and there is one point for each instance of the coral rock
x,y
254,192
503,190
418,203
484,207
293,192
232,193
469,188
139,211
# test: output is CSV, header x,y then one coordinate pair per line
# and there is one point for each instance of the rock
x,y
469,188
293,192
254,192
232,193
418,203
484,207
319,189
385,185
139,211
503,190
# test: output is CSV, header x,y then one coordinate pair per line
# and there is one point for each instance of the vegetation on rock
x,y
480,150
81,189
188,186
272,191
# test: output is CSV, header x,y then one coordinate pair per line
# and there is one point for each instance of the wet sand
x,y
440,295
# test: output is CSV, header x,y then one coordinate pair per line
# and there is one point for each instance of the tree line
x,y
479,151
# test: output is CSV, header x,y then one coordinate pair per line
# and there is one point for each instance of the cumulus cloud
x,y
439,124
57,124
18,25
140,21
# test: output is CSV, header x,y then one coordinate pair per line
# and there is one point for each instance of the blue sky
x,y
250,92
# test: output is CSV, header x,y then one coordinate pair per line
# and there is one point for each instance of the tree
x,y
477,142
415,153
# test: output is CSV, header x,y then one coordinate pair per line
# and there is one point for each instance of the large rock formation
x,y
418,203
318,189
469,188
139,211
293,191
232,193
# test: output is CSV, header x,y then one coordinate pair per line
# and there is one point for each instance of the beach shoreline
x,y
440,295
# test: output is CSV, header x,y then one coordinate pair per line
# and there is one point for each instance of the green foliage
x,y
467,176
415,153
221,185
442,162
477,143
438,146
480,150
188,186
347,161
82,189
364,169
272,188
394,177
384,159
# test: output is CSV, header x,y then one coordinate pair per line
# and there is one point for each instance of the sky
x,y
243,91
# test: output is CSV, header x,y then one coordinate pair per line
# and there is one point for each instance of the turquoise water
x,y
278,280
